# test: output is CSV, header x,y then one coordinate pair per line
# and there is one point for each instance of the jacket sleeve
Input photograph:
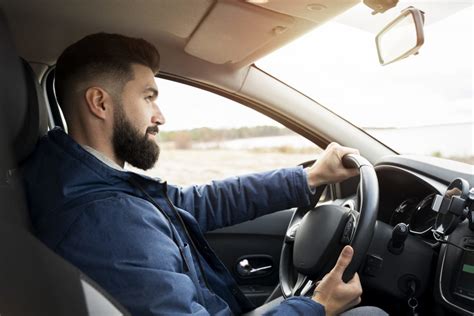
x,y
297,306
238,199
126,247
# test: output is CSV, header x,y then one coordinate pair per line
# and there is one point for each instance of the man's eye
x,y
149,98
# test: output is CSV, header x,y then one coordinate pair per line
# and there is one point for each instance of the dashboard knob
x,y
399,235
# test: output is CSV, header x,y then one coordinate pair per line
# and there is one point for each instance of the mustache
x,y
153,129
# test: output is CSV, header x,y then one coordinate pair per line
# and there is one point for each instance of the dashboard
x,y
437,268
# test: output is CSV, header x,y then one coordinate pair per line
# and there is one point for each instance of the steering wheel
x,y
315,237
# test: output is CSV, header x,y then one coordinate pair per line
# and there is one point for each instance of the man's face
x,y
136,120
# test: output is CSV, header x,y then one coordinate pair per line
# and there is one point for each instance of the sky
x,y
186,107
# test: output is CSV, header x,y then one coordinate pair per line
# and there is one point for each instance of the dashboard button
x,y
373,264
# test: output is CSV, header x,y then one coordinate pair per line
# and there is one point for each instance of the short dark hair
x,y
101,55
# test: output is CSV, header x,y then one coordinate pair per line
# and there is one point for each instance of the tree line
x,y
205,134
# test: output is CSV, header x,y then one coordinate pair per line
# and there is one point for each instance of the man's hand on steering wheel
x,y
328,168
334,294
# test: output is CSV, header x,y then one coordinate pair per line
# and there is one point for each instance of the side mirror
x,y
402,37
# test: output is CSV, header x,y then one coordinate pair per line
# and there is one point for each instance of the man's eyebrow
x,y
152,90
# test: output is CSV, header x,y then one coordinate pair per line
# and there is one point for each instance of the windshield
x,y
419,105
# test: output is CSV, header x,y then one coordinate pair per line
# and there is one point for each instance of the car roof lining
x,y
201,29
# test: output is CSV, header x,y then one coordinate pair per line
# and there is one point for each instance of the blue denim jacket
x,y
137,249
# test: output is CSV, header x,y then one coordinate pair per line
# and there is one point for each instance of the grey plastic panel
x,y
96,303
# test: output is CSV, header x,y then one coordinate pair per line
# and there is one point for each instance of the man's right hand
x,y
328,168
334,294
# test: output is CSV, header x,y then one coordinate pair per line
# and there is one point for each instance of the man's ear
x,y
99,102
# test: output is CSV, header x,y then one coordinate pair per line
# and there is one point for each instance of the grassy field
x,y
185,167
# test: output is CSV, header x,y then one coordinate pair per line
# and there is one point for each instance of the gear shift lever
x,y
399,235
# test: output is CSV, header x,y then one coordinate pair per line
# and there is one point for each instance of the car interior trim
x,y
440,284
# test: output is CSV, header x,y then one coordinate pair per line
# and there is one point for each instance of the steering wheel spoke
x,y
308,289
291,233
301,281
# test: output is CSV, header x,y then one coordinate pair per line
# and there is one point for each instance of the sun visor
x,y
234,30
165,13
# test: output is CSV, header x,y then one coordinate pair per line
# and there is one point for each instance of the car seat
x,y
33,279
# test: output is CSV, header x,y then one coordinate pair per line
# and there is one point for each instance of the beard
x,y
130,145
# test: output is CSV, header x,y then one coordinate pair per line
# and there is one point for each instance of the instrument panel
x,y
417,213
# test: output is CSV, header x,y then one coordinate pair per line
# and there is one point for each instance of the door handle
x,y
245,269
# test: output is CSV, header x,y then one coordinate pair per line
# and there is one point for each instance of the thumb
x,y
343,261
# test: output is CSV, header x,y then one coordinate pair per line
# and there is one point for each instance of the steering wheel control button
x,y
373,264
348,231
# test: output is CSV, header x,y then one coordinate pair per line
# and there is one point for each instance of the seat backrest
x,y
33,279
20,140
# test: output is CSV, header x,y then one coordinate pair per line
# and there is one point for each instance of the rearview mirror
x,y
402,37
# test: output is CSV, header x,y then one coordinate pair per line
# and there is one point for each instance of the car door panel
x,y
259,242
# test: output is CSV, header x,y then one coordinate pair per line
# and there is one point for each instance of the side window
x,y
208,137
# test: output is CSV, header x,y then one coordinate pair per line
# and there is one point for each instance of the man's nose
x,y
158,117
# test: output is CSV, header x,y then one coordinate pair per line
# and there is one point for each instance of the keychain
x,y
412,301
413,304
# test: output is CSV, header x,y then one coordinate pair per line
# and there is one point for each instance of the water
x,y
445,140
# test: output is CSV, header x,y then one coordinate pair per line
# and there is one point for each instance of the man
x,y
139,238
